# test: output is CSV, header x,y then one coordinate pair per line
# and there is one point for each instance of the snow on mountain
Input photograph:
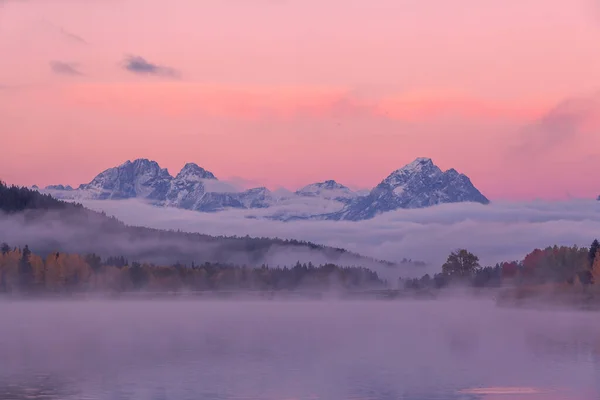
x,y
56,187
192,172
193,188
329,190
416,185
187,189
140,178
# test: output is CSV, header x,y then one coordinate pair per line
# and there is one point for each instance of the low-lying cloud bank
x,y
497,232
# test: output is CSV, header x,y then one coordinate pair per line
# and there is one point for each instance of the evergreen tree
x,y
94,261
5,248
137,275
594,248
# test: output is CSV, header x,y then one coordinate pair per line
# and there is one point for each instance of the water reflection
x,y
42,387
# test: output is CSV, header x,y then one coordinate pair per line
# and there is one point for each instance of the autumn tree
x,y
460,263
26,276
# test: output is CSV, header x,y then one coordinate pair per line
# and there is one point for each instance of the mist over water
x,y
182,349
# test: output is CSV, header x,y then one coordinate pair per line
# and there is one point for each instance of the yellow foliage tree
x,y
39,270
54,281
9,270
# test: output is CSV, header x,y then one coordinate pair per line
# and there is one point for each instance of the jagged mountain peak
x,y
139,161
419,165
419,162
330,184
138,178
192,171
416,185
140,164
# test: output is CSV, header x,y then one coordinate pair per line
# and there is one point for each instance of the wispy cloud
x,y
139,65
65,68
563,124
252,103
72,36
66,34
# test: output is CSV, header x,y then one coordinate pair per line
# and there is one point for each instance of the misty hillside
x,y
47,224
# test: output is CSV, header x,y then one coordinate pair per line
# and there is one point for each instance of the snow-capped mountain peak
x,y
418,164
193,172
138,178
416,185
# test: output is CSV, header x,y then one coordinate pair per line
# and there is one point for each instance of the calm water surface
x,y
380,350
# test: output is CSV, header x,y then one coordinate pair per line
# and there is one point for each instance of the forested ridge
x,y
94,232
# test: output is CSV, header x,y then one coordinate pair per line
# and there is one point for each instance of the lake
x,y
328,349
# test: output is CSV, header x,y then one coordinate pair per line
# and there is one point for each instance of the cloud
x,y
65,68
241,184
567,122
141,66
284,103
496,232
71,36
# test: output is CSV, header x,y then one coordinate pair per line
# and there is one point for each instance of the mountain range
x,y
416,185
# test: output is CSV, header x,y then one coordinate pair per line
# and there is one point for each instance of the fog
x,y
501,231
83,231
414,350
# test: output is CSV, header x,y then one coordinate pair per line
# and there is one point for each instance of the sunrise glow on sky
x,y
290,92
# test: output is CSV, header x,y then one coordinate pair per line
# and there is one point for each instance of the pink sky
x,y
289,92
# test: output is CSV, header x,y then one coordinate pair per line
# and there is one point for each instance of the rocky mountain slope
x,y
416,185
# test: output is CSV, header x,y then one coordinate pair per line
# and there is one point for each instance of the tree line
x,y
570,265
21,271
